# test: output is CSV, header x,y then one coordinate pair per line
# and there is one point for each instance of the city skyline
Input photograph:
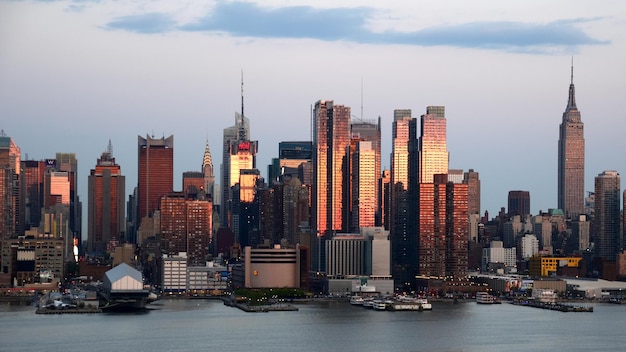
x,y
186,83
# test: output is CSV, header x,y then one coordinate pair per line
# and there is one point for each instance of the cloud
x,y
146,23
242,19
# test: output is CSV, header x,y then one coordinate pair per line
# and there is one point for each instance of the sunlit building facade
x,y
443,228
11,221
155,172
433,152
331,137
402,222
106,210
363,192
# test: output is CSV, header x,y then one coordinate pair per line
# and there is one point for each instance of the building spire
x,y
207,160
571,101
242,128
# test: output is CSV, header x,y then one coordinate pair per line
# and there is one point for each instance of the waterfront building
x,y
442,228
571,158
106,196
606,221
174,277
270,268
12,219
31,258
155,173
331,137
433,152
472,179
345,255
519,203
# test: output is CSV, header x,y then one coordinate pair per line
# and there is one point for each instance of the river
x,y
208,325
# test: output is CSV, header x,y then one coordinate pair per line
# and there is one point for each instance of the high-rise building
x,y
571,159
443,229
433,152
11,220
240,154
331,137
67,162
33,178
155,173
363,193
369,131
402,223
472,179
519,203
186,226
606,221
245,208
106,213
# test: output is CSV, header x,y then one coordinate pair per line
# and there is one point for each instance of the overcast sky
x,y
74,74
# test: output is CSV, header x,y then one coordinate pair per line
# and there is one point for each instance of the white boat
x,y
356,300
486,298
379,305
418,304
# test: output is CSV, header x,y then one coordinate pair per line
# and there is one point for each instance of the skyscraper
x,y
155,172
606,221
443,228
107,195
571,159
433,152
331,137
472,179
33,178
519,203
403,206
364,183
186,226
10,204
369,131
67,162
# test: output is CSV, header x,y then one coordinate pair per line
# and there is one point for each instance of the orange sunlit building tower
x,y
331,137
155,172
106,210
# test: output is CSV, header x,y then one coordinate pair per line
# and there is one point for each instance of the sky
x,y
76,74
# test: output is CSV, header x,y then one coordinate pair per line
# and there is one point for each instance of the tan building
x,y
268,268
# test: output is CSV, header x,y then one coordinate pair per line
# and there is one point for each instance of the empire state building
x,y
571,187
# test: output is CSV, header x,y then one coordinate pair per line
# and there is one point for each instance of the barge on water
x,y
561,307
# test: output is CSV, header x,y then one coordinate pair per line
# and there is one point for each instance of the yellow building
x,y
546,266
